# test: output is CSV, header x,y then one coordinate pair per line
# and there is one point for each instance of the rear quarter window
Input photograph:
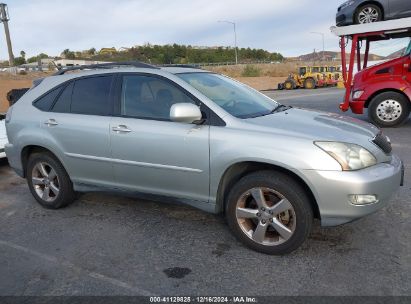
x,y
45,102
63,102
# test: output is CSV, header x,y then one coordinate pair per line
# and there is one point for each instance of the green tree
x,y
68,54
177,54
91,51
19,61
37,58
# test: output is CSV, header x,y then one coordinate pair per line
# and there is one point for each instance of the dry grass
x,y
261,83
271,70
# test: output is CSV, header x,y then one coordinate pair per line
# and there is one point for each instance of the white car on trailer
x,y
3,136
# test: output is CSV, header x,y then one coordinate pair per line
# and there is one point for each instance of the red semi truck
x,y
385,89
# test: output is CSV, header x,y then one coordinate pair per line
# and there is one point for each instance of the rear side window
x,y
63,103
91,96
46,101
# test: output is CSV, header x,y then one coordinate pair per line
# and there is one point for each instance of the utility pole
x,y
4,18
323,36
235,38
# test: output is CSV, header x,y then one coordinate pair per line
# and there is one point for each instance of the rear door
x,y
399,9
151,153
79,124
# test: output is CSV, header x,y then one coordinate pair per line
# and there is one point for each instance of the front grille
x,y
382,142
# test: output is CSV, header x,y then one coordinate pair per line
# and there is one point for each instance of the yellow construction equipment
x,y
311,77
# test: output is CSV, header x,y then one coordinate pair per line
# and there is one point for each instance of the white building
x,y
75,62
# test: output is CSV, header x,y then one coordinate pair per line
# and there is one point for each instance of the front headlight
x,y
357,94
346,4
349,156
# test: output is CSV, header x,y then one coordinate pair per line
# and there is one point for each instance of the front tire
x,y
289,85
368,13
389,109
48,181
269,212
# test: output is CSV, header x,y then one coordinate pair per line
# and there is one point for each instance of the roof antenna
x,y
57,67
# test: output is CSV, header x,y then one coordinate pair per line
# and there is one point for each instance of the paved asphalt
x,y
112,245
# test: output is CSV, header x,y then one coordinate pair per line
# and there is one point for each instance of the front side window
x,y
234,97
149,97
91,96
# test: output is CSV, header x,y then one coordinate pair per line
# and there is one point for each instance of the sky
x,y
284,26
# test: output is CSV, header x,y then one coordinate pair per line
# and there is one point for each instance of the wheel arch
x,y
238,170
30,149
377,3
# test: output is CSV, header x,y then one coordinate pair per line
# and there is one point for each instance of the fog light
x,y
363,199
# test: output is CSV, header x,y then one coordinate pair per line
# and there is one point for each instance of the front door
x,y
152,154
399,9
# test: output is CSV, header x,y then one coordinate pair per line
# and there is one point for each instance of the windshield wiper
x,y
280,108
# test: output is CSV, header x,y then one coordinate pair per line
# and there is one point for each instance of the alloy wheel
x,y
368,15
45,181
266,216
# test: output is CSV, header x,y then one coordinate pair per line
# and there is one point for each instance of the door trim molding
x,y
132,163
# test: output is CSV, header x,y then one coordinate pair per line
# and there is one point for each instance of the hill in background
x,y
332,56
396,54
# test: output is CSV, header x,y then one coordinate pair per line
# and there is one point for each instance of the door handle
x,y
121,129
51,122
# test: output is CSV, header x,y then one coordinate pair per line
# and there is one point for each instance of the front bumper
x,y
357,106
332,190
345,17
14,158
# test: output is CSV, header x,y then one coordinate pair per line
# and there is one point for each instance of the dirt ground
x,y
8,82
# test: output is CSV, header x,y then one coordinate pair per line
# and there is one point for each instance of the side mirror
x,y
185,112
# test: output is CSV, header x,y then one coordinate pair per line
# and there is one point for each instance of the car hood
x,y
315,125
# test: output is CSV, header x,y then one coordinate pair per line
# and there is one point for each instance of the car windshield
x,y
234,97
408,49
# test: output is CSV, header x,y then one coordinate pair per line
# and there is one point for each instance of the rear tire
x,y
309,84
368,13
278,222
48,181
389,109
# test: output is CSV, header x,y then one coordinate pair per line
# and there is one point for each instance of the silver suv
x,y
205,139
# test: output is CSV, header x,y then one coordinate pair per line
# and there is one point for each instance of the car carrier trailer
x,y
385,89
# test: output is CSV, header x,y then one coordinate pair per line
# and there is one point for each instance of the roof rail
x,y
110,65
188,66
